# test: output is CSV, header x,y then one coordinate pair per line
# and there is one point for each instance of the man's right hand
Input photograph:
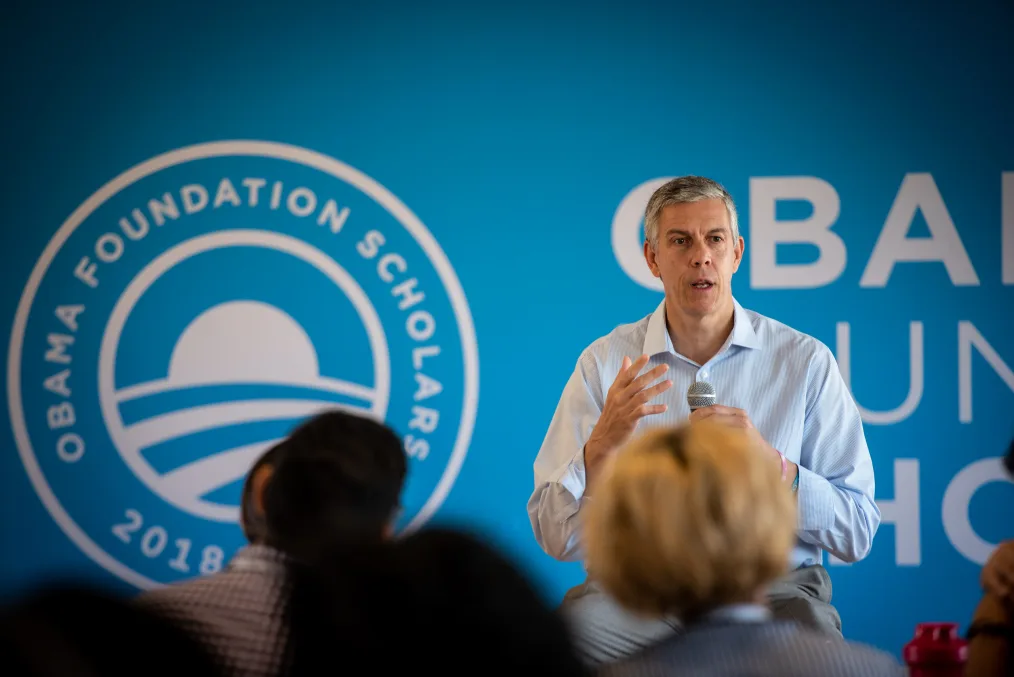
x,y
626,404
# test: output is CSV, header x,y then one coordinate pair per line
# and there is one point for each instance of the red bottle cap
x,y
937,643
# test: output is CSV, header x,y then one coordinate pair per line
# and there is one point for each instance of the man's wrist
x,y
596,458
786,463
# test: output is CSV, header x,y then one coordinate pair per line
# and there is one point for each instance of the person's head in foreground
x,y
69,628
337,477
689,520
438,600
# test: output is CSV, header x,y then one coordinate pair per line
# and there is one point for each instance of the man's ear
x,y
737,254
649,257
258,483
388,533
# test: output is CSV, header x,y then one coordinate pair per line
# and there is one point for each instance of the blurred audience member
x,y
437,601
68,631
335,481
998,573
697,523
991,632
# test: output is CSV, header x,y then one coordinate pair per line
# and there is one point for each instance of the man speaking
x,y
770,379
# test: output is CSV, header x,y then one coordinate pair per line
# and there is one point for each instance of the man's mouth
x,y
702,284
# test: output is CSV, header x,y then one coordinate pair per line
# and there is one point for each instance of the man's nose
x,y
700,255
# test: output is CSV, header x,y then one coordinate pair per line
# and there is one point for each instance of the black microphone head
x,y
700,394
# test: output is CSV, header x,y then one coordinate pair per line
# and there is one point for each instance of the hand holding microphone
x,y
700,394
701,398
627,402
702,401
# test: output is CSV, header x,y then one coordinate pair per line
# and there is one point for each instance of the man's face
x,y
696,257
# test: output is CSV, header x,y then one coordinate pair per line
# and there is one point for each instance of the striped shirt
x,y
745,641
789,385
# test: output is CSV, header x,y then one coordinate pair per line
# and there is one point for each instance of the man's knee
x,y
603,631
812,581
809,613
804,596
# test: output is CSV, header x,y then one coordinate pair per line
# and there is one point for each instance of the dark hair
x,y
75,630
337,479
396,605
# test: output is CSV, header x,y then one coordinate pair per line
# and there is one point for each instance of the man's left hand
x,y
737,418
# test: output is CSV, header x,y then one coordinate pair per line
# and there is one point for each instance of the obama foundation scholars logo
x,y
195,309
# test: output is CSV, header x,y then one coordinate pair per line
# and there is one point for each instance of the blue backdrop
x,y
428,210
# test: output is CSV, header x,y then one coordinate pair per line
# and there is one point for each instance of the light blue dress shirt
x,y
789,385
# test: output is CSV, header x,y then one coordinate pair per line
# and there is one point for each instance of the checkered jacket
x,y
237,613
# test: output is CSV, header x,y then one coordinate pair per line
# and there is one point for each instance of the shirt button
x,y
704,375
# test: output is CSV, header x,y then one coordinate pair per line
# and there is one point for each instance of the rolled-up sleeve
x,y
837,509
559,467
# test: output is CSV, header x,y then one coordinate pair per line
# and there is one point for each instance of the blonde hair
x,y
689,519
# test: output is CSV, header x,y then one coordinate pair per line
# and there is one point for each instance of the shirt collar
x,y
738,613
657,339
259,557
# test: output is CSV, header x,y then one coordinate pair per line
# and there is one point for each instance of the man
x,y
781,385
334,482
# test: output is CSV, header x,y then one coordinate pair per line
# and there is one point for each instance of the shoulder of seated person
x,y
992,609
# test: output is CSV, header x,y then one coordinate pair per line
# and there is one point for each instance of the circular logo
x,y
628,233
199,306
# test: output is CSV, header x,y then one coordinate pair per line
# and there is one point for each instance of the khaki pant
x,y
603,631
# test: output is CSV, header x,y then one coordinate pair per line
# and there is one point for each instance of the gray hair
x,y
682,190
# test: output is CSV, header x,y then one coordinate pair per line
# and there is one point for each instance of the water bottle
x,y
936,651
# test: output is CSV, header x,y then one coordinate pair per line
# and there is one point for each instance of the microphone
x,y
700,394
